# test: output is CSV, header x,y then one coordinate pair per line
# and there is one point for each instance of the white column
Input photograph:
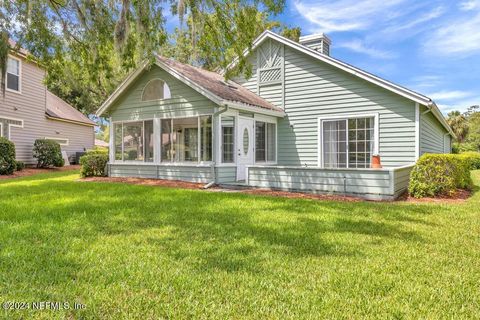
x,y
157,154
417,131
111,142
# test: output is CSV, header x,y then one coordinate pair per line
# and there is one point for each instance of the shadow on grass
x,y
216,231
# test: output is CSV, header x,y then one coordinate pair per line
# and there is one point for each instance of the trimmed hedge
x,y
473,159
439,174
94,164
48,153
8,164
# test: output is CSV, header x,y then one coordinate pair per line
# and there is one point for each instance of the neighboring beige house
x,y
28,111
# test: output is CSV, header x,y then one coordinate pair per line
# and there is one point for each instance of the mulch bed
x,y
457,197
148,182
300,195
30,171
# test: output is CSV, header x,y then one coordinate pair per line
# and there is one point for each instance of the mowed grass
x,y
140,252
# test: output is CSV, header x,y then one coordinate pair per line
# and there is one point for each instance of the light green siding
x,y
184,102
432,134
226,174
314,89
193,173
376,184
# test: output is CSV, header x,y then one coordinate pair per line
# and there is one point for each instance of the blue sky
x,y
430,46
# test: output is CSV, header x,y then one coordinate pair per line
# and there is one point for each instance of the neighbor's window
x,y
348,143
186,139
228,125
156,89
13,74
134,141
265,141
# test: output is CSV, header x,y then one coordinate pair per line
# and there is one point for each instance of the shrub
x,y
439,174
473,159
7,156
98,150
93,164
48,153
19,165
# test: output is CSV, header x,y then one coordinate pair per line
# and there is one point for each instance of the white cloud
x,y
449,95
360,46
469,5
459,37
460,105
422,19
345,15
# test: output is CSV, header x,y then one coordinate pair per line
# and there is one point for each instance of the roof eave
x,y
89,124
255,109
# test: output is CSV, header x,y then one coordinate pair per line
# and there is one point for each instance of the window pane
x,y
360,134
334,144
133,141
271,142
206,138
185,139
260,141
228,124
118,141
156,90
166,140
13,82
149,141
13,66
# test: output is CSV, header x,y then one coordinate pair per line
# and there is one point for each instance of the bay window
x,y
265,141
348,143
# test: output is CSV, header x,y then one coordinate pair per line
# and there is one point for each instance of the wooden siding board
x,y
184,173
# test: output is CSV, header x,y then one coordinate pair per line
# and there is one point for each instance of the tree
x,y
459,124
88,46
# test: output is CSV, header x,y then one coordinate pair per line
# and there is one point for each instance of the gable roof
x,y
210,84
57,109
402,91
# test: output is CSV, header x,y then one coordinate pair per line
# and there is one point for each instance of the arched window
x,y
156,89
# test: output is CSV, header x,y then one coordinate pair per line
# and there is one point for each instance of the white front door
x,y
245,142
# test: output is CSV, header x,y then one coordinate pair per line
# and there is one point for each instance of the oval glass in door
x,y
246,141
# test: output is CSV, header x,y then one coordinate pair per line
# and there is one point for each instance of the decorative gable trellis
x,y
271,70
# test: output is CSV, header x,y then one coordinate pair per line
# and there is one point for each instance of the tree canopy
x,y
466,127
89,46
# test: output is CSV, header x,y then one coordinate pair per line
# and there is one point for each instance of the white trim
x,y
10,125
214,98
1,129
166,164
57,139
376,132
414,96
112,141
19,91
417,131
264,120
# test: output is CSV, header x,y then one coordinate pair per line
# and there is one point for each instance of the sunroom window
x,y
134,141
265,142
228,131
186,139
348,143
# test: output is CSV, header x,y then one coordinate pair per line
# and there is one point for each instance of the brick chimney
x,y
318,42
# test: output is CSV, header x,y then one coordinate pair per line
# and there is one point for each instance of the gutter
x,y
436,111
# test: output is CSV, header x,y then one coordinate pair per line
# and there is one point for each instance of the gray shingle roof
x,y
59,109
215,83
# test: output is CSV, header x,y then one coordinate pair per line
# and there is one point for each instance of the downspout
x,y
215,114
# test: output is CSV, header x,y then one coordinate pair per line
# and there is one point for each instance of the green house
x,y
304,121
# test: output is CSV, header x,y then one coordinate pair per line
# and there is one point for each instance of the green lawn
x,y
145,252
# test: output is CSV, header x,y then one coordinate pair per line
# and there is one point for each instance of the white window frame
x,y
234,132
19,91
320,120
10,125
57,140
164,84
158,144
266,119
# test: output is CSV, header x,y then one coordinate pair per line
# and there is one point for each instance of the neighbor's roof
x,y
210,84
216,84
407,93
58,109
